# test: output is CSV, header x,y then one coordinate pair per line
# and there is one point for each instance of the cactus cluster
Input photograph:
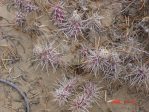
x,y
75,33
47,56
66,93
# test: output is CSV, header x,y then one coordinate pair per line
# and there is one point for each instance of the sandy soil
x,y
38,84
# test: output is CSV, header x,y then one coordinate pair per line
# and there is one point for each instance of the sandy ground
x,y
38,84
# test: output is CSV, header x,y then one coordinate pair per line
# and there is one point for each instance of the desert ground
x,y
37,84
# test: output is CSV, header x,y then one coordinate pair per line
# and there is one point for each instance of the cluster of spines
x,y
47,55
72,26
139,77
93,23
24,7
58,14
113,62
100,60
83,102
66,94
20,19
65,90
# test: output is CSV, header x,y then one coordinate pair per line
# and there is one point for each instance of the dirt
x,y
37,84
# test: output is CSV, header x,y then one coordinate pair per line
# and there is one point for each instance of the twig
x,y
128,6
27,107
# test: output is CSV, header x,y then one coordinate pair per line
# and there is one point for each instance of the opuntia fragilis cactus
x,y
92,92
47,55
58,14
64,90
93,23
96,60
83,52
139,77
73,26
19,3
83,102
131,49
114,72
101,60
80,104
20,19
25,6
29,7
